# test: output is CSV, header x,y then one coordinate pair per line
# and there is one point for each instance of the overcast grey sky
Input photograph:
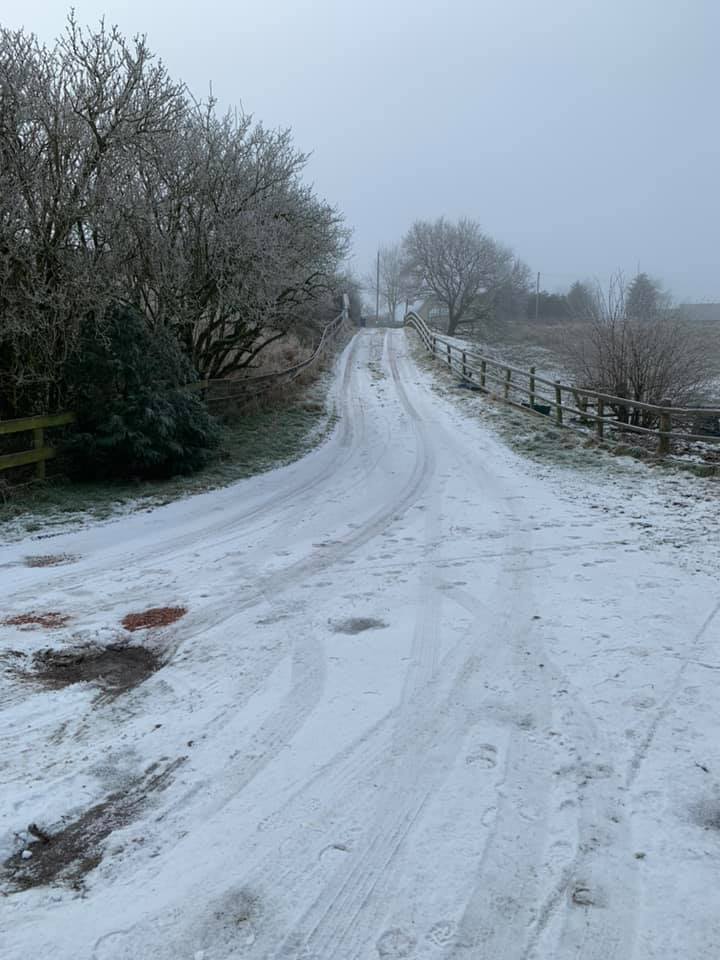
x,y
584,133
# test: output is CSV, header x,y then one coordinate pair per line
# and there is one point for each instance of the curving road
x,y
421,706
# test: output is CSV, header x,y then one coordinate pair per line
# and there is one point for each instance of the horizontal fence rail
x,y
39,454
571,405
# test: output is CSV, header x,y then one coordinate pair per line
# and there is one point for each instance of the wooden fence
x,y
39,453
572,405
225,390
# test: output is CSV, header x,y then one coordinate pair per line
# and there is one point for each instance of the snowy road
x,y
421,706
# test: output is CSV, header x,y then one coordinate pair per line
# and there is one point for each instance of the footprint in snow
x,y
441,933
395,944
485,757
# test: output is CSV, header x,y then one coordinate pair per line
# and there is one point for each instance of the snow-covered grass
x,y
525,345
431,698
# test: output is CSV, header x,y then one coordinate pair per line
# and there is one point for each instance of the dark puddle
x,y
357,625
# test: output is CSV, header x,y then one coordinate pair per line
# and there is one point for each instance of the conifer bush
x,y
136,416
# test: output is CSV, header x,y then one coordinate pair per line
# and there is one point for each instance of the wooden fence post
x,y
508,378
558,403
449,358
483,371
665,428
531,393
582,403
599,423
464,368
38,444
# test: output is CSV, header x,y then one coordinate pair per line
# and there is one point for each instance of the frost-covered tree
x,y
116,186
461,267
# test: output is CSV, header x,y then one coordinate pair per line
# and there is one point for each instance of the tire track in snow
x,y
426,741
597,888
602,865
644,746
328,927
299,703
279,524
301,700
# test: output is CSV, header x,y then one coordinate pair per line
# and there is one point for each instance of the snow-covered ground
x,y
429,700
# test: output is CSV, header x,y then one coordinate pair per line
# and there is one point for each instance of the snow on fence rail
x,y
40,453
586,407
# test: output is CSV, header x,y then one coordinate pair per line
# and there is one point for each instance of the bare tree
x,y
458,265
637,347
233,250
396,286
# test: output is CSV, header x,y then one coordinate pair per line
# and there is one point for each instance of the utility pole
x,y
537,298
377,290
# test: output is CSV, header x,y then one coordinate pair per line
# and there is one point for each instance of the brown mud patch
x,y
357,625
64,853
155,617
50,621
115,668
50,559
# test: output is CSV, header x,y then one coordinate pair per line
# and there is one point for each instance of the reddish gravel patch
x,y
50,621
155,617
50,560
